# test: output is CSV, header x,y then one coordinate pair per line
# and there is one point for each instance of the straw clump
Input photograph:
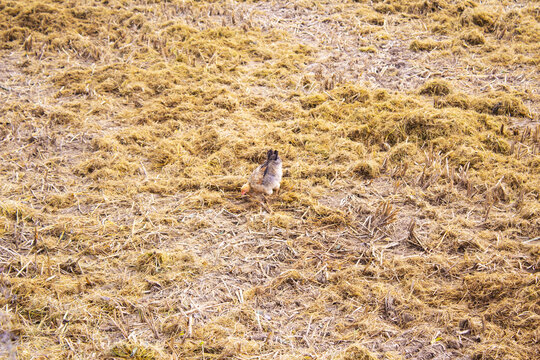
x,y
435,87
473,37
427,45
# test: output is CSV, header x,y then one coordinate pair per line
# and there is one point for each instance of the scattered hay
x,y
530,211
312,101
60,201
436,87
510,105
120,216
495,104
367,169
489,289
150,262
403,151
16,211
134,351
482,16
473,37
350,93
206,198
368,49
427,45
386,8
282,220
357,352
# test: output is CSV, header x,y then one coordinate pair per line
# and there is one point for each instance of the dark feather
x,y
268,159
272,155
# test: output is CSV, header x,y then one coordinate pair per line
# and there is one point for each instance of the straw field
x,y
408,222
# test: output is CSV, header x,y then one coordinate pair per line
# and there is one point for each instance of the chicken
x,y
267,177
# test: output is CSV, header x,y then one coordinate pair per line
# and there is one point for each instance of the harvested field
x,y
408,222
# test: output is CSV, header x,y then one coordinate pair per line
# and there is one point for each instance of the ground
x,y
408,222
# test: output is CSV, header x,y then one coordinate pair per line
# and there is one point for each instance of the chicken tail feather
x,y
272,155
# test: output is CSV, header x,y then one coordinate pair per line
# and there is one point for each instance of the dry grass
x,y
407,223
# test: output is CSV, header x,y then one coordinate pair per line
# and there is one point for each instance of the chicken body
x,y
267,177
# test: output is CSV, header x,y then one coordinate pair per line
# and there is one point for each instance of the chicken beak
x,y
245,189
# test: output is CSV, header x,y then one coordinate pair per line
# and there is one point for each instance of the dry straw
x,y
407,224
